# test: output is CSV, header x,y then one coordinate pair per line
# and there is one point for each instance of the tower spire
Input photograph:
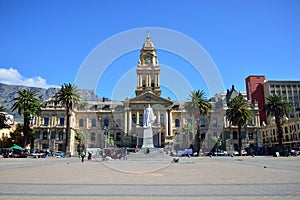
x,y
148,71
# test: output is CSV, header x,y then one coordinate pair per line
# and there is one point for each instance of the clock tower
x,y
148,71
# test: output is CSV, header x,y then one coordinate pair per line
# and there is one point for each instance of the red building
x,y
255,93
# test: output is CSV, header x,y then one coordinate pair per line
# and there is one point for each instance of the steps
x,y
152,156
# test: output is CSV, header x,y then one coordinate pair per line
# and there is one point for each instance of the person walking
x,y
82,156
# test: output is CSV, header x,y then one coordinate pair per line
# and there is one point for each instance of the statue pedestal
x,y
148,138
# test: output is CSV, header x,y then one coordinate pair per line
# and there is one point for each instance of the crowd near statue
x,y
149,117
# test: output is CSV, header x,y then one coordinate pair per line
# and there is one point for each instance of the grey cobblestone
x,y
199,178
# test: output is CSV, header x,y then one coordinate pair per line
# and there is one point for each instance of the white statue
x,y
149,117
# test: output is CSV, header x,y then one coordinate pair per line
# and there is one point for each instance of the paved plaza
x,y
190,178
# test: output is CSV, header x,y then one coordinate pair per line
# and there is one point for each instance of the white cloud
x,y
11,76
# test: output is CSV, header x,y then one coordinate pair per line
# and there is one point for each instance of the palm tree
x,y
2,117
2,109
277,108
27,105
238,115
198,105
68,96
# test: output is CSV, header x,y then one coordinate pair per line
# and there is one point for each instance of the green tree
x,y
109,141
277,108
198,106
238,115
16,136
68,96
27,105
217,141
2,117
189,131
80,136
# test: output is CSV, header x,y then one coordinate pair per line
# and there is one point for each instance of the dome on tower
x,y
148,45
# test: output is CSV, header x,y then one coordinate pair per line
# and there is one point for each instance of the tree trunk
x,y
240,139
197,140
279,131
26,130
67,131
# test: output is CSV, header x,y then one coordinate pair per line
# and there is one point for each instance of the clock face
x,y
148,59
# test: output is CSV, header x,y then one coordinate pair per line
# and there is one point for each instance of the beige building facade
x,y
173,129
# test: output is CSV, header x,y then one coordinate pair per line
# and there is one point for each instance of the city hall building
x,y
123,120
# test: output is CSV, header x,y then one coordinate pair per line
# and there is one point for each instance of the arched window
x,y
93,122
93,137
141,120
61,135
133,119
81,123
286,129
189,121
162,119
177,123
45,135
202,123
106,122
177,136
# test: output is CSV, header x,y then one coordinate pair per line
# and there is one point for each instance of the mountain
x,y
9,92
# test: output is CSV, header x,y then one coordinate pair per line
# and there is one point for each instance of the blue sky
x,y
44,43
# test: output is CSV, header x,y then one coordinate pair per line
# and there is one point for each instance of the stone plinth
x,y
148,138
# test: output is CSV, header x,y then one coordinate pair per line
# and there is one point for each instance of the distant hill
x,y
9,92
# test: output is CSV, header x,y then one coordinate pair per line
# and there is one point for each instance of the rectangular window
x,y
250,135
46,121
61,121
214,123
202,123
81,123
93,122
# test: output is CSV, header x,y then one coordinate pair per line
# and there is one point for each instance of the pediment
x,y
150,98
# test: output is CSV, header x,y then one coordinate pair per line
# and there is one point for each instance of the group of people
x,y
106,154
83,154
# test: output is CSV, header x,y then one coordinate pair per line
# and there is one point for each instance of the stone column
x,y
147,80
129,121
170,120
166,122
141,80
158,117
137,118
125,121
87,122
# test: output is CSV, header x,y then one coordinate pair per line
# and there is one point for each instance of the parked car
x,y
295,151
236,153
281,150
220,153
59,154
185,152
